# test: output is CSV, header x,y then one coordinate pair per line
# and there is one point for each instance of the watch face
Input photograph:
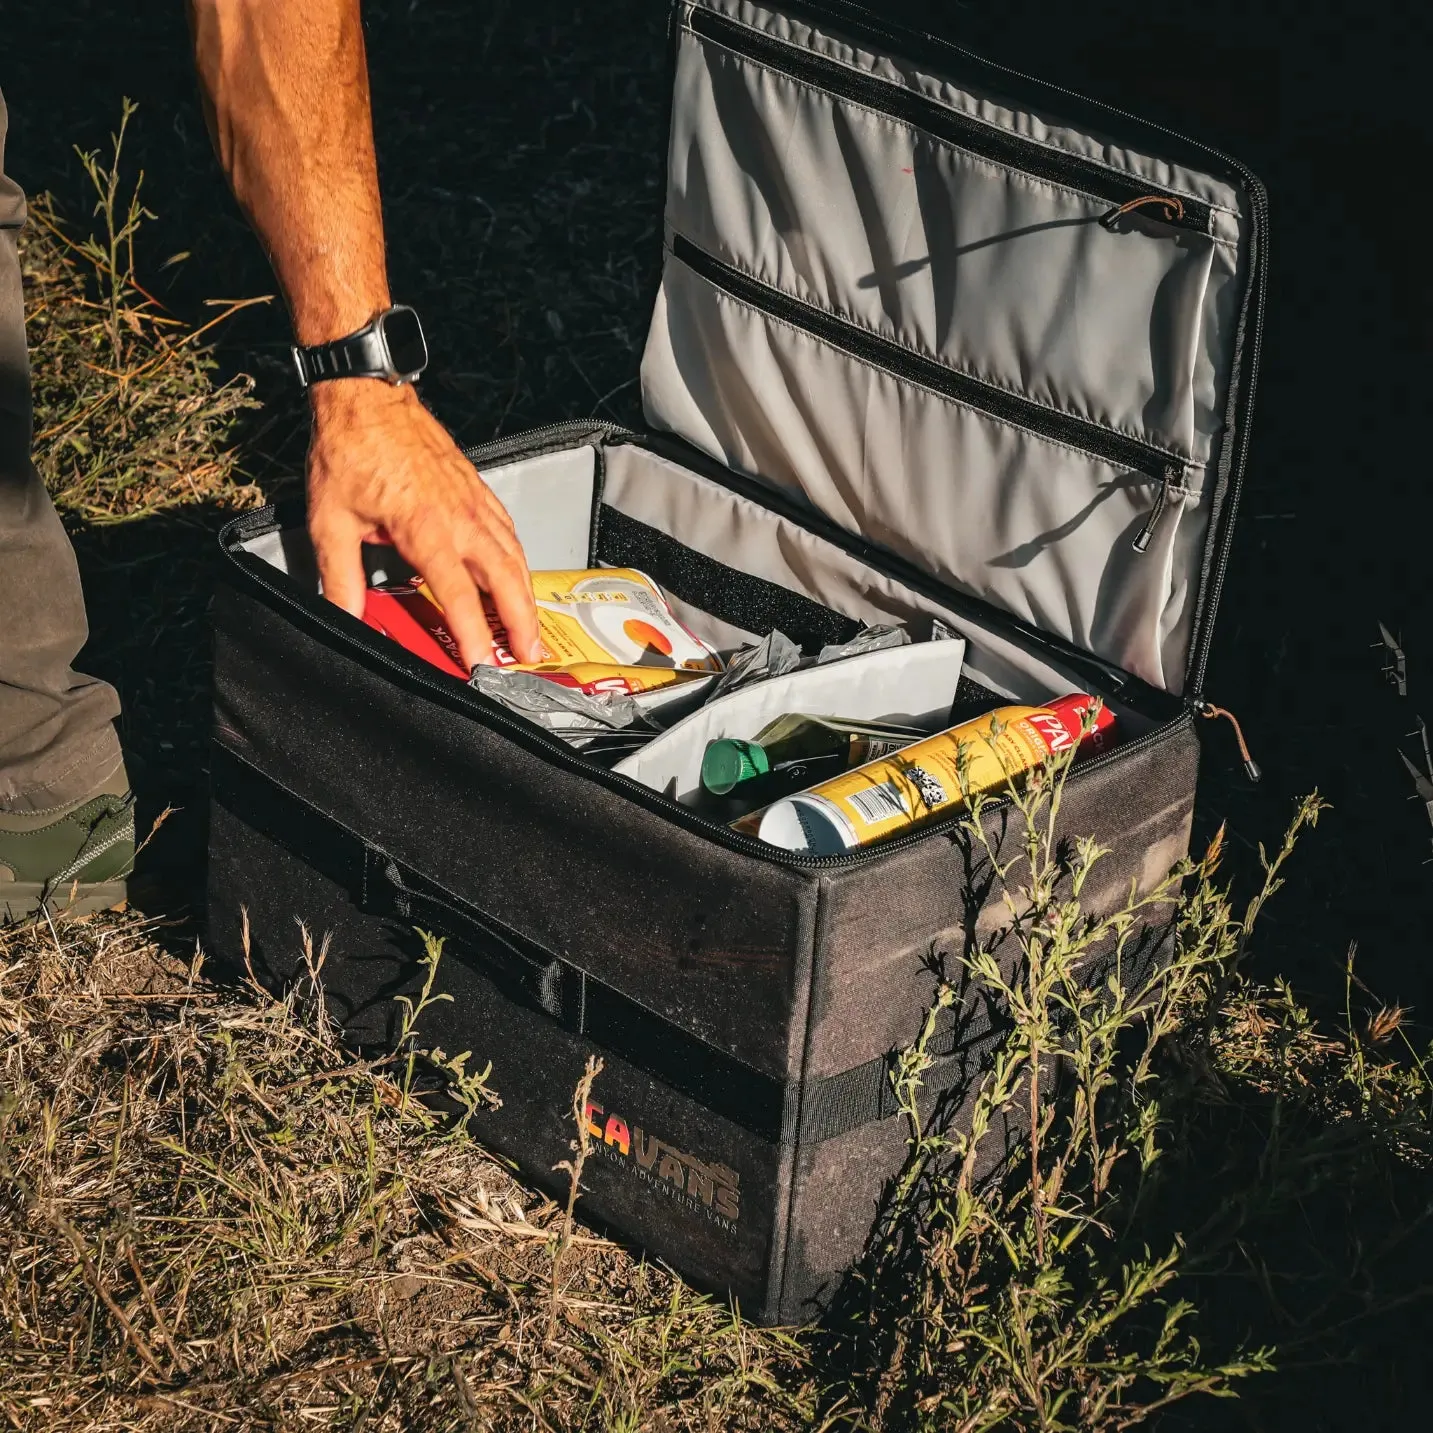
x,y
404,336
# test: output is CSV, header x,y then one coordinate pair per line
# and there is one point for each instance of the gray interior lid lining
x,y
931,218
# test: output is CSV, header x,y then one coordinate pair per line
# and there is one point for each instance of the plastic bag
x,y
553,706
773,656
868,639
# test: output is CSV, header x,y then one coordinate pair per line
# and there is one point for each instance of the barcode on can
x,y
879,803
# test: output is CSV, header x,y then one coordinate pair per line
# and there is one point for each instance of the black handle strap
x,y
539,978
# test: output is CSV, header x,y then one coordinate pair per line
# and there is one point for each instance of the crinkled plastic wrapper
x,y
606,724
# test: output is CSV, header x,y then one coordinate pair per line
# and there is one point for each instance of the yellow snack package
x,y
605,629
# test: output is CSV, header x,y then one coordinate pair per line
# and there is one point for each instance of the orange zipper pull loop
x,y
1251,767
1171,204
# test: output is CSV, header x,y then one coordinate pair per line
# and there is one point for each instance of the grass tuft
x,y
216,1218
130,420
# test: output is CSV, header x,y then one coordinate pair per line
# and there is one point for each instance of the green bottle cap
x,y
728,762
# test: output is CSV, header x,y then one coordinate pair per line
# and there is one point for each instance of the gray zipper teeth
x,y
1224,541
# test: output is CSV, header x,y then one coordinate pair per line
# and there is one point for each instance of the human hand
x,y
381,468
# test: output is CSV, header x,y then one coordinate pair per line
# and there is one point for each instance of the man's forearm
x,y
286,90
286,96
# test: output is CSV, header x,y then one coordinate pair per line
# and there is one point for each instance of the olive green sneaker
x,y
73,860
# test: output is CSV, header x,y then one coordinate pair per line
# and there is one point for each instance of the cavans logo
x,y
707,1188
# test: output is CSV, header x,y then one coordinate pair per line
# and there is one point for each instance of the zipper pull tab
x,y
1251,767
1171,204
1161,501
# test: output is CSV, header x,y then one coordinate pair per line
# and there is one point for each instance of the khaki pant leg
x,y
57,736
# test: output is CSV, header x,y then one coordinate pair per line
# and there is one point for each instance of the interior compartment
x,y
929,356
912,686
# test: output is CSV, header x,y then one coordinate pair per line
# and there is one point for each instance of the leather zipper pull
x,y
1251,767
1161,501
1171,205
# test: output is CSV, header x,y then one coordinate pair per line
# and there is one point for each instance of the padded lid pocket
x,y
1005,345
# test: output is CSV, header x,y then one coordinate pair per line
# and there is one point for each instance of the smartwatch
x,y
390,347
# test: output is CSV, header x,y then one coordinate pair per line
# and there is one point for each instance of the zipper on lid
x,y
1161,501
890,357
350,635
1124,192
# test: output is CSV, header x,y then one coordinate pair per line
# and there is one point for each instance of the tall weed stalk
x,y
1007,1285
132,415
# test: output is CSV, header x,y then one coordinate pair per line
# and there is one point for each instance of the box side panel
x,y
844,1184
697,1190
872,984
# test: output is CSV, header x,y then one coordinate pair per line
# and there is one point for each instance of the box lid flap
x,y
997,330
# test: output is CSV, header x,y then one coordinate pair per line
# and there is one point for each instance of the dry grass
x,y
218,1219
129,419
217,1216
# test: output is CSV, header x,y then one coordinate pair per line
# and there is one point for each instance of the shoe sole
x,y
20,900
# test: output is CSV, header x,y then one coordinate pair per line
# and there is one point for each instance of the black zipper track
x,y
547,439
987,141
893,358
349,634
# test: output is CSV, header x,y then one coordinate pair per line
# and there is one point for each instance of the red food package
x,y
400,611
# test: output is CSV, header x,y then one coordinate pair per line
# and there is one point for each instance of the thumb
x,y
338,546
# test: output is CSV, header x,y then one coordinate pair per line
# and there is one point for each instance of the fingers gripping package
x,y
602,631
946,411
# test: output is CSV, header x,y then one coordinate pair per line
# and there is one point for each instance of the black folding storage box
x,y
934,343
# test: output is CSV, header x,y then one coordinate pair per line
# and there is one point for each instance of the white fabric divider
x,y
549,499
911,686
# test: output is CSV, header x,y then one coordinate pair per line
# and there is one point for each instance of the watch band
x,y
390,346
359,355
